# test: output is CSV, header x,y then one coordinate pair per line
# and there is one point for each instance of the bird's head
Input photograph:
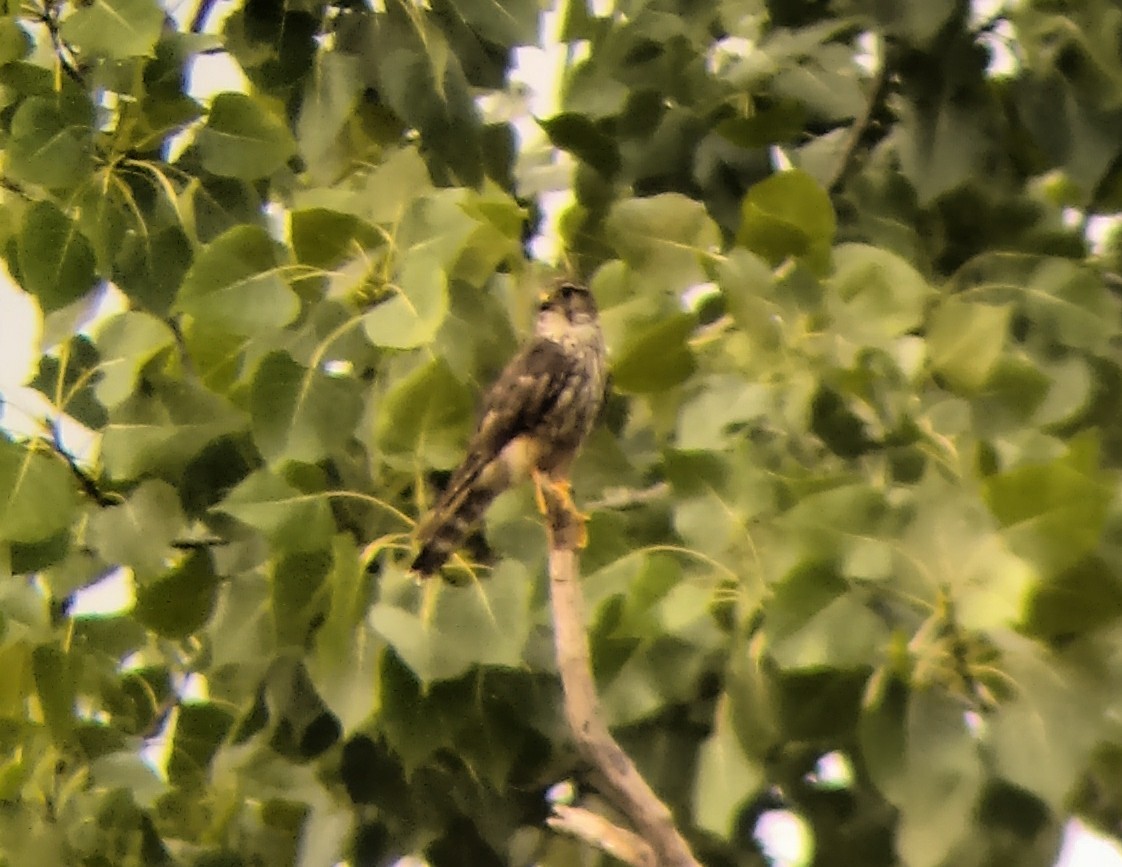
x,y
568,306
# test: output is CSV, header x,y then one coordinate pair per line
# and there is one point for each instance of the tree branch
x,y
627,498
202,13
861,124
88,484
621,781
596,831
49,17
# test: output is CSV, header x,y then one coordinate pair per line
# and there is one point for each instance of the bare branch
x,y
88,484
861,125
202,13
596,831
620,780
626,498
199,544
63,52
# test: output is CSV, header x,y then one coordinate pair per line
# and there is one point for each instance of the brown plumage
x,y
535,417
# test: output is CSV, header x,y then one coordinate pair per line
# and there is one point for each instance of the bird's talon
x,y
582,534
539,492
564,491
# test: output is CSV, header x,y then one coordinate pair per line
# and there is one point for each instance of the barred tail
x,y
452,519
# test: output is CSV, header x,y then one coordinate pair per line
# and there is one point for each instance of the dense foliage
x,y
855,496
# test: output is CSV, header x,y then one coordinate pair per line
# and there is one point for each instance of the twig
x,y
85,480
621,781
160,715
198,544
626,498
202,12
12,186
597,831
861,125
49,17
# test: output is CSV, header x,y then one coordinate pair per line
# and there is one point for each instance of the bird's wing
x,y
525,391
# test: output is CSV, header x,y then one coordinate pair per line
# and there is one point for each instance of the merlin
x,y
535,418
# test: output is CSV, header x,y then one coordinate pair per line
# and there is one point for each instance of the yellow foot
x,y
574,518
540,481
564,491
582,531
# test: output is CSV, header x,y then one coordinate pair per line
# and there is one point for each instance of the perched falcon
x,y
535,418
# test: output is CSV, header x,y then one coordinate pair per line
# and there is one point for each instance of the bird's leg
x,y
554,500
564,491
540,481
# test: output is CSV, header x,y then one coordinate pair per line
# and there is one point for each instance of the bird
x,y
534,419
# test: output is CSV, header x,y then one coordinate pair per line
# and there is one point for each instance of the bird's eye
x,y
568,291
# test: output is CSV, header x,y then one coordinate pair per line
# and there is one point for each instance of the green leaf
x,y
585,140
656,358
877,296
484,624
55,259
15,43
1053,513
199,731
236,283
726,778
242,139
150,268
437,226
386,194
426,416
115,29
131,772
299,413
212,205
747,283
944,138
324,238
781,122
334,89
419,719
1043,735
507,23
161,431
181,600
915,22
38,499
706,523
936,781
127,342
1078,600
788,215
298,587
844,633
711,419
826,524
343,664
290,518
54,684
666,239
965,340
1072,305
49,145
138,533
424,83
241,633
76,379
496,237
414,312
